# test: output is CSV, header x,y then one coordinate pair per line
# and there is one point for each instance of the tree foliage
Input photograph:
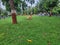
x,y
48,4
16,3
31,1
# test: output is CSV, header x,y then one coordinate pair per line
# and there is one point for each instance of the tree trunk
x,y
13,11
50,14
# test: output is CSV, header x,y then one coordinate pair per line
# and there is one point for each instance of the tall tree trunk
x,y
13,11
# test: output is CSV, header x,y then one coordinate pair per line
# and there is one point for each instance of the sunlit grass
x,y
41,30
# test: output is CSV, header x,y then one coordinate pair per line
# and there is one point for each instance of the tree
x,y
13,6
13,11
47,5
17,3
24,5
10,7
31,2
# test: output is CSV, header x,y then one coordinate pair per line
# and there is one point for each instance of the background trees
x,y
17,4
42,5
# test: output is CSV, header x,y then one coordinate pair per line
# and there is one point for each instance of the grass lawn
x,y
41,30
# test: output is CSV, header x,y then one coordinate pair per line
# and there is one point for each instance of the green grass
x,y
41,30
